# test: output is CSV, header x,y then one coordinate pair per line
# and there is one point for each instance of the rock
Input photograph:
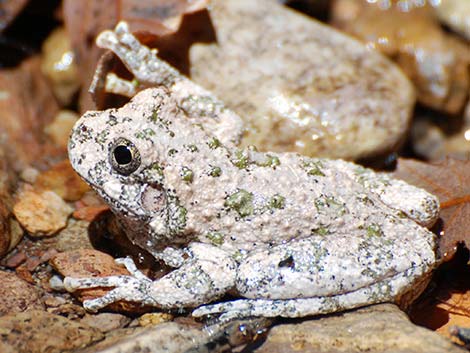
x,y
58,65
41,213
73,237
432,140
89,213
17,295
300,85
379,328
63,180
172,337
59,129
167,337
152,319
455,14
106,322
41,332
409,32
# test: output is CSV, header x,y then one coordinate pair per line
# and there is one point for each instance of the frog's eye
x,y
124,156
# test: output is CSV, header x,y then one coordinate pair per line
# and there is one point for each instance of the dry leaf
x,y
450,181
448,302
27,105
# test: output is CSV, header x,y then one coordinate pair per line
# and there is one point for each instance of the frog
x,y
283,234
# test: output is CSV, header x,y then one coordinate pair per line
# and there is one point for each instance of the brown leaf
x,y
450,181
447,302
27,105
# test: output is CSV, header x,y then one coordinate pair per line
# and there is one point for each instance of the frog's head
x,y
120,153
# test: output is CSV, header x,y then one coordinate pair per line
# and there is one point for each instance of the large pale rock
x,y
410,33
456,14
300,85
375,329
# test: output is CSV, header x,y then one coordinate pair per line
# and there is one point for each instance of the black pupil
x,y
122,154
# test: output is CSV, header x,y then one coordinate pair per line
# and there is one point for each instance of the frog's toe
x,y
71,284
130,266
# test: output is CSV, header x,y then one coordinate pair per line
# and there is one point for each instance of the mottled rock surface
x,y
37,331
41,213
375,329
17,295
164,338
301,86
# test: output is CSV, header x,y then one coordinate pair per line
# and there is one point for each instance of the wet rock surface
x,y
436,62
303,86
379,328
37,331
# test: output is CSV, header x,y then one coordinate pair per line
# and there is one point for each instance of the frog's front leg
x,y
207,274
149,71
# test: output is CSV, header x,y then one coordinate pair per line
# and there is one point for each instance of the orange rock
x,y
41,213
63,180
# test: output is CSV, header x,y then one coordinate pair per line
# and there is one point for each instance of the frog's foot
x,y
134,288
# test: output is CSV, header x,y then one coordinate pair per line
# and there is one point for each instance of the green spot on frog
x,y
330,203
241,202
153,174
374,230
271,161
214,143
145,134
176,215
192,148
313,167
215,172
241,160
187,174
216,238
277,201
321,231
172,152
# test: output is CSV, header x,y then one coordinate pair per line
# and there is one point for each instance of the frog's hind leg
x,y
385,291
323,274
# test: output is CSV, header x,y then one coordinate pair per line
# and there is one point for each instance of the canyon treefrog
x,y
291,235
